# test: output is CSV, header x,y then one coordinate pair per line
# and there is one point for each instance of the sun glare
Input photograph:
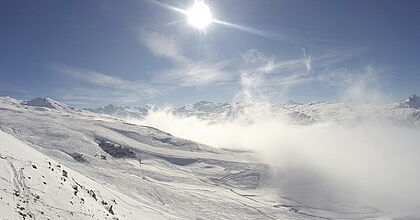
x,y
199,15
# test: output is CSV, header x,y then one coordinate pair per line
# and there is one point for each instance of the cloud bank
x,y
353,163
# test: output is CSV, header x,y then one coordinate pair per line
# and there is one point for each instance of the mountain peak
x,y
203,103
411,102
291,102
120,111
46,103
414,97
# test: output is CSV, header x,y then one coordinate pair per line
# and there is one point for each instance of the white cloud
x,y
186,71
107,88
370,161
263,74
358,84
164,46
258,74
196,74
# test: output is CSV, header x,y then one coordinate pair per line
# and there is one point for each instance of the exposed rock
x,y
78,157
65,173
116,150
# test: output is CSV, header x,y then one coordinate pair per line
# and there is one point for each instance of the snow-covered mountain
x,y
47,103
411,102
58,162
404,113
80,165
35,186
122,112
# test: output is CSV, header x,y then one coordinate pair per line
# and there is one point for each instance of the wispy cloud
x,y
262,74
186,71
256,72
358,84
194,74
259,75
164,46
106,88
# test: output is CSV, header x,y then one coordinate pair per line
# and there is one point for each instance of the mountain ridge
x,y
403,112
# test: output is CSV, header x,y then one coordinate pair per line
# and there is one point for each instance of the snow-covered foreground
x,y
62,163
34,186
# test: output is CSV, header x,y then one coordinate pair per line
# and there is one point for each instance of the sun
x,y
199,15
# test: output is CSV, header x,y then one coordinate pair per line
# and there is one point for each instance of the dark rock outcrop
x,y
117,150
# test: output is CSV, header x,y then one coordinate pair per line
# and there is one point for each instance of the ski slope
x,y
34,186
58,162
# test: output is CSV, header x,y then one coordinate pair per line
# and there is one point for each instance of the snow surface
x,y
34,186
47,103
404,113
122,112
142,172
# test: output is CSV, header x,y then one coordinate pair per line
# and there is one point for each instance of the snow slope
x,y
144,173
34,186
47,103
177,178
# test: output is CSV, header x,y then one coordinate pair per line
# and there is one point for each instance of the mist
x,y
319,163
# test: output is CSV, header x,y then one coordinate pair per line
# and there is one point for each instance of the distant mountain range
x,y
406,112
122,112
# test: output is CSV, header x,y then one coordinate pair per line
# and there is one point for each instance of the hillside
x,y
63,163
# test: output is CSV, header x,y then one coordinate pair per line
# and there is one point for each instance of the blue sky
x,y
91,53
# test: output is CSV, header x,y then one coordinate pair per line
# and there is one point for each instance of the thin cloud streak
x,y
185,72
256,73
195,74
263,75
105,88
164,46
